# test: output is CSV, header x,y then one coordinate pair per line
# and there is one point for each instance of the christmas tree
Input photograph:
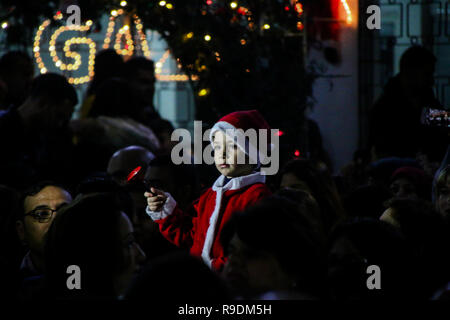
x,y
243,54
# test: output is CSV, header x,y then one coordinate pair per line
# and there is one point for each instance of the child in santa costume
x,y
239,186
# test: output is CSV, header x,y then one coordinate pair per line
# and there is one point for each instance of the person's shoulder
x,y
258,186
256,190
253,193
205,194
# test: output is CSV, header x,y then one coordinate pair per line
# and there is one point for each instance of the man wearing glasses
x,y
40,204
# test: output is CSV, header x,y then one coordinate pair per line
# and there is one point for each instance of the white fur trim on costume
x,y
209,239
167,209
248,148
219,188
238,182
220,126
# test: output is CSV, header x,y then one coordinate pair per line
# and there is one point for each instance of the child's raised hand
x,y
155,199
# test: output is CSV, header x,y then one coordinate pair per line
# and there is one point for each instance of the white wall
x,y
173,100
336,109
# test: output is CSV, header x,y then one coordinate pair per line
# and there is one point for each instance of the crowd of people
x,y
99,195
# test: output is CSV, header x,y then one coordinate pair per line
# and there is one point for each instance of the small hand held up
x,y
155,199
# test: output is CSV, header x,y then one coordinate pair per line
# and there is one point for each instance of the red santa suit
x,y
201,233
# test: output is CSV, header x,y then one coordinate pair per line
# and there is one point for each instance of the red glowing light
x,y
133,173
209,2
287,8
280,133
297,153
58,13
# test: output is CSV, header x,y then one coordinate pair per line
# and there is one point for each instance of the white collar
x,y
238,182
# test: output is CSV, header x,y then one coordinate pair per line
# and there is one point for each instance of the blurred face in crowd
x,y
59,114
226,155
346,270
443,200
403,188
144,82
250,271
132,253
46,115
39,216
389,217
290,181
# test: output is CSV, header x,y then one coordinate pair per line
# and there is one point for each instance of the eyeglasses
x,y
41,214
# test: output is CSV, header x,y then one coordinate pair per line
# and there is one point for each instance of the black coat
x,y
395,125
30,157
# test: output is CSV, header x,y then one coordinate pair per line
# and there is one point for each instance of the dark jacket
x,y
29,157
395,125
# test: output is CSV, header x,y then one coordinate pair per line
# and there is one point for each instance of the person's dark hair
x,y
427,235
322,189
161,160
364,232
377,243
417,218
86,234
138,63
161,125
53,87
416,56
114,98
94,183
108,64
177,277
105,184
13,60
367,201
32,191
309,209
274,225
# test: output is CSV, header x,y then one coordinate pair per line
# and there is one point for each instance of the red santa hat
x,y
245,120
